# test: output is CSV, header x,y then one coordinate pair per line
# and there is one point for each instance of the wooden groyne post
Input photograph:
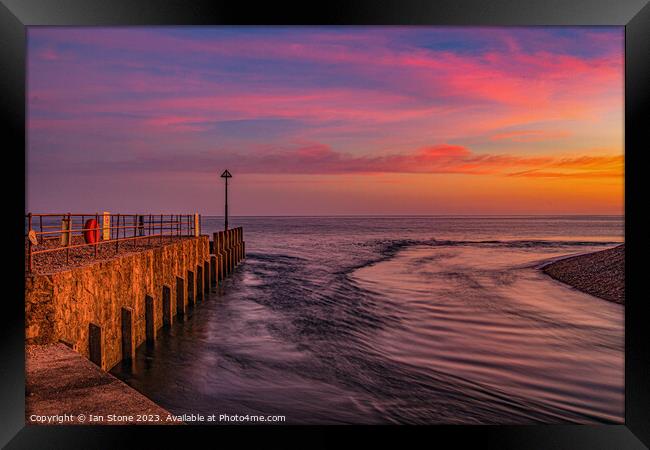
x,y
229,251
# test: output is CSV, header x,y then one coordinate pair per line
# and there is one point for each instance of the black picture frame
x,y
16,15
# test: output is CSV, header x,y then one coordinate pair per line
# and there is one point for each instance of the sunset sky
x,y
326,120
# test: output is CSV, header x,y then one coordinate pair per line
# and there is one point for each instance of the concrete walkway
x,y
63,387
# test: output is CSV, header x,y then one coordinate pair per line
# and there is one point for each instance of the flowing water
x,y
397,320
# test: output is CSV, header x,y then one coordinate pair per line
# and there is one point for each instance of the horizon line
x,y
342,215
422,215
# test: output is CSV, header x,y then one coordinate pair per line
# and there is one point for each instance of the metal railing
x,y
47,233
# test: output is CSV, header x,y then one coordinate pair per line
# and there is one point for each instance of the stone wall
x,y
61,307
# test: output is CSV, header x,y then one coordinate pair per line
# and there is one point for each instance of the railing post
x,y
96,229
29,242
106,226
117,234
69,231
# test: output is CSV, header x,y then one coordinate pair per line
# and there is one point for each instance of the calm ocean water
x,y
368,320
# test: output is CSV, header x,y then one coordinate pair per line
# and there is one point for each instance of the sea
x,y
397,320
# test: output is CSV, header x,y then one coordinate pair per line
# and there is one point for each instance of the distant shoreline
x,y
601,274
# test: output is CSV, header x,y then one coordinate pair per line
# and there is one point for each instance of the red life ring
x,y
91,233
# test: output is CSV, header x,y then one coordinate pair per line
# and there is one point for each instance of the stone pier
x,y
106,309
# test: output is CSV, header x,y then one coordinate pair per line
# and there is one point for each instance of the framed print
x,y
407,220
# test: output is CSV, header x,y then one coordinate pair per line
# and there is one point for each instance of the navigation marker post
x,y
225,175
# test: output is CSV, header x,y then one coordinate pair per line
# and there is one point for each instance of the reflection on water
x,y
397,320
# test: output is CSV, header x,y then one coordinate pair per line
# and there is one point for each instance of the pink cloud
x,y
513,77
319,159
428,94
446,95
529,135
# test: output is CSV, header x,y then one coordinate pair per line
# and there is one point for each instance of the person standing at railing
x,y
141,225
